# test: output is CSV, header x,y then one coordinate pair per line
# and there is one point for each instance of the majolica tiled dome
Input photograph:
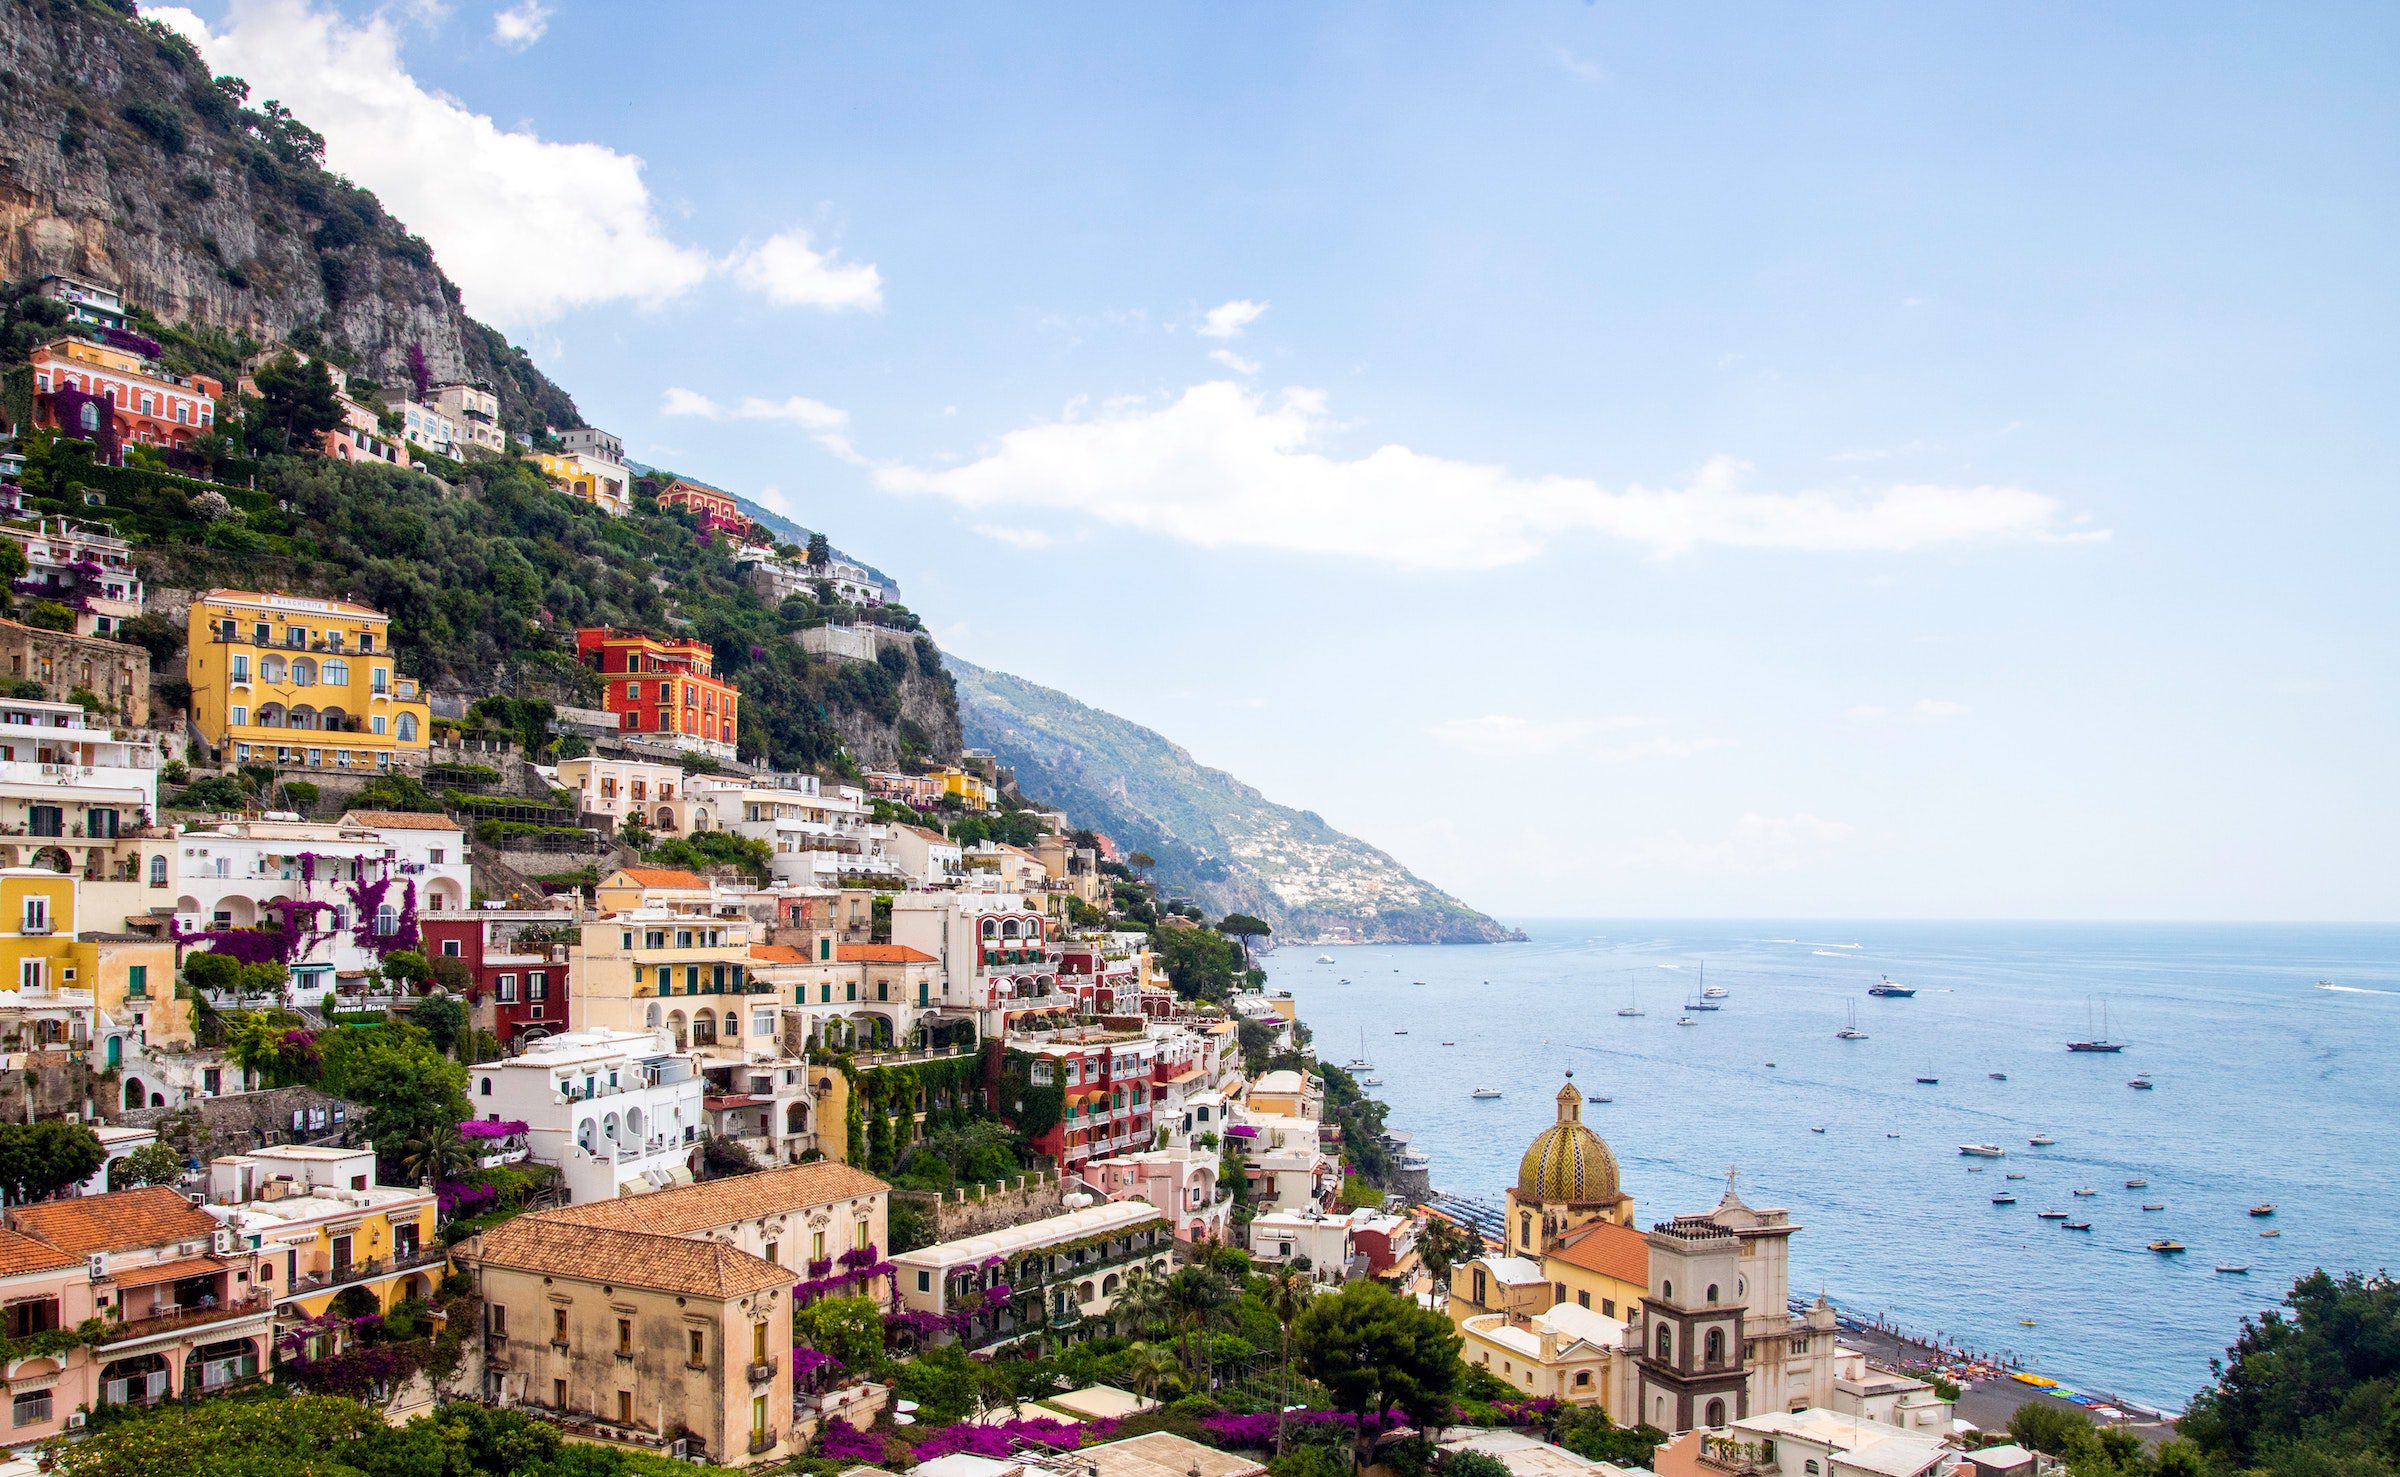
x,y
1567,1161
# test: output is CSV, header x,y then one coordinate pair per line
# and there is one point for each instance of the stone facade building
x,y
118,674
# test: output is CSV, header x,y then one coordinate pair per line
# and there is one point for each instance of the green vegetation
x,y
37,1160
750,857
2311,1393
1375,1352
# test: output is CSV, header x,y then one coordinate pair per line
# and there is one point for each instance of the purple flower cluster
x,y
131,342
1257,1431
452,1198
842,1442
1002,1440
478,1130
808,1364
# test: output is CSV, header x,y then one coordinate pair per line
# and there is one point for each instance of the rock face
x,y
122,161
1216,840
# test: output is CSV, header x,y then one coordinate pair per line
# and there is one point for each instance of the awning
x,y
175,1271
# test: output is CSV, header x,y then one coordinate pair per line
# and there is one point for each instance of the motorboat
x,y
1884,989
1820,1128
2154,1205
1598,1097
2051,1215
2141,1084
1370,1082
2137,1184
1402,1031
2014,1176
1324,958
1685,1020
2076,1226
2168,1248
2087,1193
1983,1151
2041,1141
2270,1232
2233,1269
1449,1043
2004,1198
1975,1169
1997,1076
2267,1209
1484,1092
1927,1079
1714,992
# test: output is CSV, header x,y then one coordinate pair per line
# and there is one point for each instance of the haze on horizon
x,y
1845,461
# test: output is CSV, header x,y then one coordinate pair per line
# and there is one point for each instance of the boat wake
x,y
2353,989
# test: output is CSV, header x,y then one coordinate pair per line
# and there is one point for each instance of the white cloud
x,y
1227,320
827,425
529,228
1223,465
1757,843
1016,538
1580,69
1233,361
520,25
791,273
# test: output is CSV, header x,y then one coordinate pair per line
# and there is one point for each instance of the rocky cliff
x,y
123,161
1216,840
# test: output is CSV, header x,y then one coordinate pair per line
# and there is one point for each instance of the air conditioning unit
x,y
222,1242
96,1263
76,1419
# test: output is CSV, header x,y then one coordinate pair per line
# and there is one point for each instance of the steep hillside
x,y
123,160
1216,840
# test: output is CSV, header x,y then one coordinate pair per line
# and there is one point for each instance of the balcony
x,y
761,1441
368,1270
131,1329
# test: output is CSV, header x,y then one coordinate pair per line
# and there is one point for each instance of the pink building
x,y
1180,1183
188,1309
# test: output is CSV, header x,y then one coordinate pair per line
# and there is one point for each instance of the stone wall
x,y
972,1212
236,1124
119,674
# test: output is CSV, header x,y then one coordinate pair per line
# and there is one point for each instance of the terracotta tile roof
x,y
778,954
401,820
22,1254
172,1271
1609,1249
664,877
704,1207
711,1269
881,954
118,1221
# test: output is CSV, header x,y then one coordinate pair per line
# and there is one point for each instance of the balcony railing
x,y
192,1317
367,1270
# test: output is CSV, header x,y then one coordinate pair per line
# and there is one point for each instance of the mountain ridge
x,y
1215,839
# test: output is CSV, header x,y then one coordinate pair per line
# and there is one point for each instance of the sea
x,y
2273,1050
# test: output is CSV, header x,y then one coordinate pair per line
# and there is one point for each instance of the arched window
x,y
158,871
337,674
1712,1292
1716,1413
304,672
485,1088
733,1024
1715,1349
1525,1230
387,919
407,728
1667,1291
1810,1468
1666,1342
272,669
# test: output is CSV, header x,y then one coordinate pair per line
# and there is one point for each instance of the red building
x,y
711,507
666,688
1106,1079
517,960
112,397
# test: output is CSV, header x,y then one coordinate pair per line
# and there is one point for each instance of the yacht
x,y
1983,1151
1633,999
2041,1141
1820,1128
2141,1084
1997,1076
2050,1215
1704,1000
1324,958
2267,1209
2004,1198
1927,1079
1484,1092
2167,1248
2099,1042
2087,1194
1359,1063
2137,1184
1713,992
1884,989
1851,1032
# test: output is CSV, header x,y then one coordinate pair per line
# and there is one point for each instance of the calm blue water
x,y
2268,1089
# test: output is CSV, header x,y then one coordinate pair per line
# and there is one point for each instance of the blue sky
x,y
1770,460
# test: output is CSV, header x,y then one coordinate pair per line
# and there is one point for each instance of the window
x,y
697,1353
558,1325
241,666
1716,1413
924,1282
387,919
1608,1307
137,981
1666,1343
1715,1349
30,1408
158,871
380,678
758,1343
537,985
625,1336
1583,1299
37,909
406,729
816,1246
1810,1467
337,674
558,1394
1712,1292
506,988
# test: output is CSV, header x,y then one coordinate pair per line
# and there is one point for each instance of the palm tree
x,y
1286,1294
1147,1368
1442,1246
437,1153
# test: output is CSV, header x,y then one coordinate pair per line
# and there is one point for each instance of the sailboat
x,y
1704,1000
1851,1032
2101,1041
1359,1063
1633,998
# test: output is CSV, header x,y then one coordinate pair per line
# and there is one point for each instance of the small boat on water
x,y
1851,1032
1884,989
2154,1205
1714,992
1324,958
2016,1176
1449,1043
1974,1169
2233,1269
2041,1141
1997,1076
2051,1215
1705,1000
2168,1248
1598,1097
2004,1198
1927,1079
2087,1193
2270,1233
2076,1226
1370,1082
1633,997
1983,1151
2137,1184
1484,1092
1702,1005
2267,1209
2141,1084
2029,1323
1685,1021
1820,1128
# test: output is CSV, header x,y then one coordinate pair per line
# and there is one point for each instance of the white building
x,y
1284,1238
76,797
351,890
622,788
474,414
925,857
1077,1262
1811,1442
88,570
619,1112
1868,1390
425,426
998,960
317,1215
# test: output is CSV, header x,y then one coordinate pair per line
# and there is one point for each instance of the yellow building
x,y
976,792
588,479
300,681
321,1226
109,994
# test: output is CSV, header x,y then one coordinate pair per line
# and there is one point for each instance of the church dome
x,y
1567,1162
